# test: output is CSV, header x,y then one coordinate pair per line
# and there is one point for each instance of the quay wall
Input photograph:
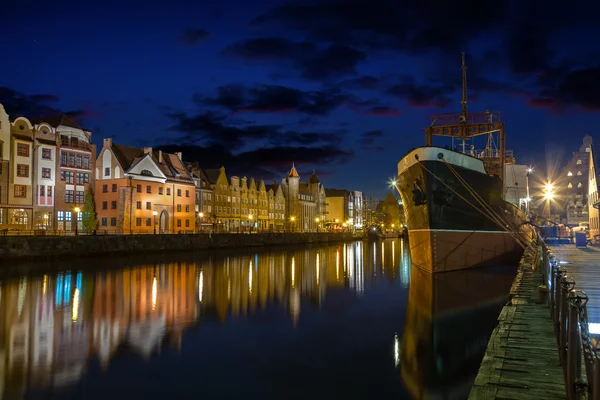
x,y
53,247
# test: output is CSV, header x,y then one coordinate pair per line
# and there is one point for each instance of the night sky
x,y
340,87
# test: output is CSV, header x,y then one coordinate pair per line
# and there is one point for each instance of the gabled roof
x,y
58,120
172,167
314,178
212,175
304,188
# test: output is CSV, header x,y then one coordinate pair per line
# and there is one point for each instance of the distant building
x,y
392,216
204,195
593,190
276,201
359,209
132,184
572,186
340,206
305,202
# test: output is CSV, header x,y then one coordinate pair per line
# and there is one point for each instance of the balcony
x,y
76,146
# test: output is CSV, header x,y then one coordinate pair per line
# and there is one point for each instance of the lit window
x,y
569,173
578,162
570,185
580,185
579,173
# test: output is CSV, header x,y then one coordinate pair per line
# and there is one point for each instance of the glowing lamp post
x,y
77,210
292,219
201,217
317,222
155,213
549,195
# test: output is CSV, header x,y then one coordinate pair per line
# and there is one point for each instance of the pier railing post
x,y
596,380
573,347
566,284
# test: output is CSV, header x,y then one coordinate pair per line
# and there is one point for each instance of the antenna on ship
x,y
463,102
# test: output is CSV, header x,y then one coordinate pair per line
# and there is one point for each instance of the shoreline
x,y
16,250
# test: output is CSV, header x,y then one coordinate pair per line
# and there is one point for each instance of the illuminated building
x,y
305,202
142,191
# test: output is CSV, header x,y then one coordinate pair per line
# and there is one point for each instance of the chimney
x,y
178,154
107,142
160,160
147,150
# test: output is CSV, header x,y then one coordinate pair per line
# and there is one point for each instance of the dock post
x,y
596,380
574,349
566,285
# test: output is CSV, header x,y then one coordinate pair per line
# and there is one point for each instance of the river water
x,y
340,321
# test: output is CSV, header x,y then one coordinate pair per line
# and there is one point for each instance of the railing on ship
x,y
490,153
568,310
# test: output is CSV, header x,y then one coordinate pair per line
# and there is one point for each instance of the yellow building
x,y
221,216
276,207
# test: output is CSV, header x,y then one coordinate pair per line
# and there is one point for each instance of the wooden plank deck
x,y
583,265
521,360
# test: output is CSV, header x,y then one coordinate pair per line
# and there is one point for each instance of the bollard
x,y
567,284
596,380
574,348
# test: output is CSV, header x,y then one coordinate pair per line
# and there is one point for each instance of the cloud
x,y
386,24
265,98
210,129
579,89
373,107
369,138
422,96
311,61
191,37
37,105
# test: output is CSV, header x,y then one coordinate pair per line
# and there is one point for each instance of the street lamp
x,y
76,209
250,222
292,219
528,199
317,222
549,195
201,216
155,213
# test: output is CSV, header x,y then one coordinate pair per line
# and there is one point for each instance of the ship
x,y
453,200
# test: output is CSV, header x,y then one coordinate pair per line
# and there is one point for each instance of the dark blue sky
x,y
339,87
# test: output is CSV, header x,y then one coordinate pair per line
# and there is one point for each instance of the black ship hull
x,y
446,231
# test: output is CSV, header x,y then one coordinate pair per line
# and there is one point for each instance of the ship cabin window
x,y
570,185
579,173
569,173
580,185
578,162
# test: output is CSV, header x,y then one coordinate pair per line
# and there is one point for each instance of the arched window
x,y
578,162
19,217
569,173
580,185
579,173
570,185
145,172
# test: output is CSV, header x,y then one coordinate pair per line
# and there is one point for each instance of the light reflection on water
x,y
226,326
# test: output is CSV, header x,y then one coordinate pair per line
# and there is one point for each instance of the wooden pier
x,y
522,358
583,265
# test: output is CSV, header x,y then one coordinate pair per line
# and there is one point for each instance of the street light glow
x,y
155,213
201,214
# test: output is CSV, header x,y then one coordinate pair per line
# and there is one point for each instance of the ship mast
x,y
463,102
457,126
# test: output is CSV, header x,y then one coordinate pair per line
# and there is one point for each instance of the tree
x,y
89,218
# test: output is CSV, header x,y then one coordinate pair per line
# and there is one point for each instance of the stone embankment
x,y
54,247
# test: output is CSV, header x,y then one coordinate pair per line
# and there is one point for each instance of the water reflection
x,y
53,325
449,319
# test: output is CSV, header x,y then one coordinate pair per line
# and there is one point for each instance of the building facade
x,y
143,191
276,207
340,207
359,210
304,202
572,186
74,165
593,190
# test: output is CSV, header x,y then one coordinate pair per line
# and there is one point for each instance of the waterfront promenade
x,y
522,359
52,247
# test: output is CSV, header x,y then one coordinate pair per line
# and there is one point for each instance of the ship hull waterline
x,y
446,231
